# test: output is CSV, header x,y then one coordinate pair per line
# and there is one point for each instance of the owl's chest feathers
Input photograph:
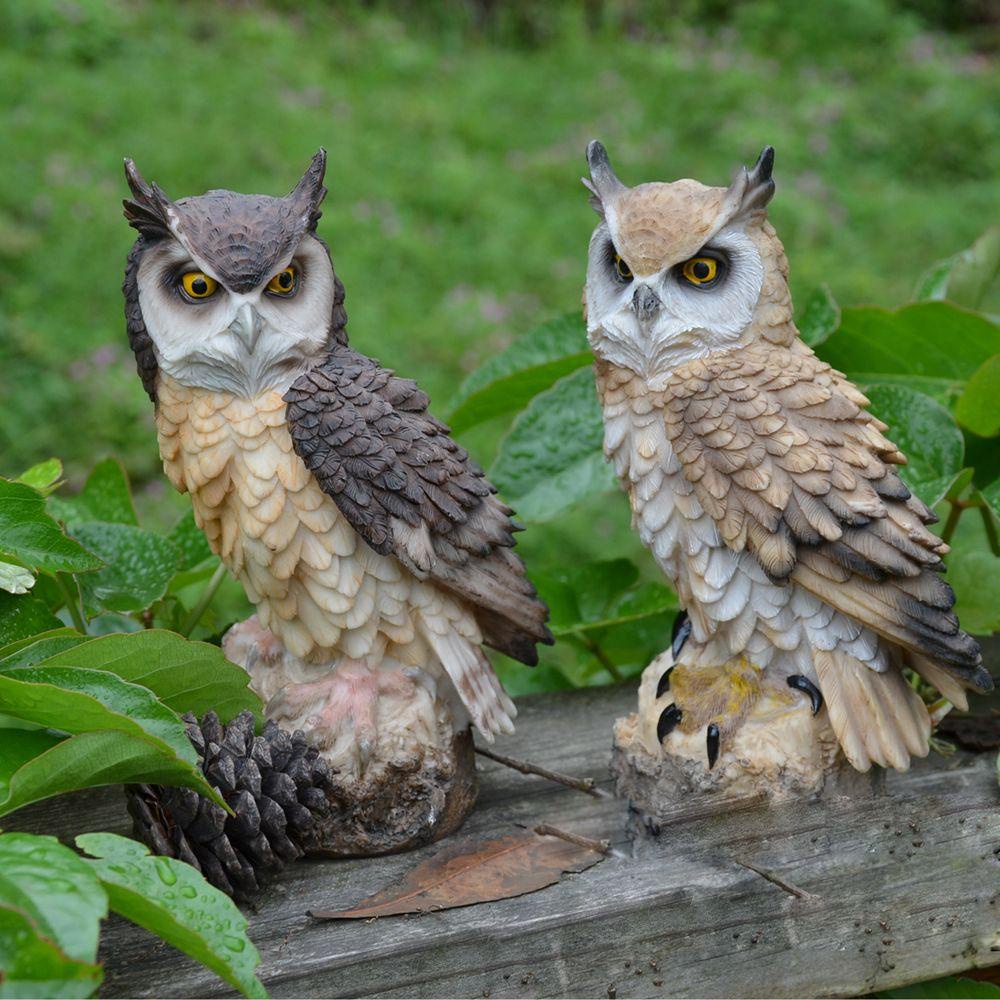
x,y
665,511
314,581
734,607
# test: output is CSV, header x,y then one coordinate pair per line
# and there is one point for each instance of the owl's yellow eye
x,y
700,270
198,285
284,282
624,271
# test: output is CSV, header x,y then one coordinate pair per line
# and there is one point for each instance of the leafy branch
x,y
78,710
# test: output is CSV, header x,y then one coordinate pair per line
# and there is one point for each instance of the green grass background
x,y
456,133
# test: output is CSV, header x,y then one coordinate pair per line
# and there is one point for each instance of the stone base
x,y
405,805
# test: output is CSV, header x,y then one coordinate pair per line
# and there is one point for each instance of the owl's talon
x,y
669,718
679,633
802,683
712,744
664,685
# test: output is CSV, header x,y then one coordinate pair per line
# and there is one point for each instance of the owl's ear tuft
x,y
751,189
309,193
604,184
148,210
594,201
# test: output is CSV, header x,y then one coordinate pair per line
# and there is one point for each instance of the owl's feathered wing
x,y
787,461
410,491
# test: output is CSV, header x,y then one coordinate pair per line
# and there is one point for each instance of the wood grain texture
x,y
832,898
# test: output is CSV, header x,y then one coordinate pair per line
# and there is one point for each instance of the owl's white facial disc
x,y
244,343
651,324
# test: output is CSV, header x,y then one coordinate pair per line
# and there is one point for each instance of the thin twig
x,y
72,603
204,600
601,846
792,890
526,767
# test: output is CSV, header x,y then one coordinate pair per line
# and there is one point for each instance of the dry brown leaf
x,y
475,871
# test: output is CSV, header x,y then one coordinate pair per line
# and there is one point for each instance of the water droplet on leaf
x,y
167,876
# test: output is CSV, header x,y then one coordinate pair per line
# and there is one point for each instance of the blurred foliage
x,y
456,132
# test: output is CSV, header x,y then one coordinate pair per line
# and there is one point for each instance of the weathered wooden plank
x,y
824,898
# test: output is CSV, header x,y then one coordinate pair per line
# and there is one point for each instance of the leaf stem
x,y
605,661
991,529
952,523
72,602
204,600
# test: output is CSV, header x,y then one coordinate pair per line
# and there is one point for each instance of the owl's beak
x,y
645,304
247,326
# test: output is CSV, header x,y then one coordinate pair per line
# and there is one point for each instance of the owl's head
x,y
230,291
677,271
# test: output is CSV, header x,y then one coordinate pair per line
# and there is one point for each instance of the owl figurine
x,y
770,498
374,550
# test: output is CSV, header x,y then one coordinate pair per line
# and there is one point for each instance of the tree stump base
x,y
405,805
399,746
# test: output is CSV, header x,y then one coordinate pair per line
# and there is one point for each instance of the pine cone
x,y
275,783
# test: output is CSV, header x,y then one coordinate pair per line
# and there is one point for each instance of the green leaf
x,y
974,575
552,457
42,477
32,652
15,579
509,380
56,888
820,317
933,283
926,433
947,988
173,901
601,595
991,494
22,616
78,700
36,765
966,277
28,533
105,497
186,676
932,346
190,542
139,565
63,631
34,966
978,408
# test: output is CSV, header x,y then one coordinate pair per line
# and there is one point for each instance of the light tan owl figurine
x,y
767,493
374,550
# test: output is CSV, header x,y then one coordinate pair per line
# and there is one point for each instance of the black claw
x,y
669,718
664,686
801,683
679,634
712,744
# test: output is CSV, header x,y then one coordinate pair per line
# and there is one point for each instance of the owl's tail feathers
x,y
490,708
878,717
939,677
